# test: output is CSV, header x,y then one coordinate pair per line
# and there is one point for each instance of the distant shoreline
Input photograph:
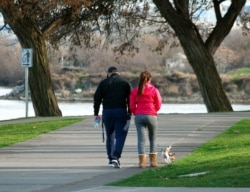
x,y
194,99
170,100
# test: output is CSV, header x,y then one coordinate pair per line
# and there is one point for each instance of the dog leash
x,y
103,137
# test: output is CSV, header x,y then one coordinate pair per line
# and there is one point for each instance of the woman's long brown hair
x,y
145,76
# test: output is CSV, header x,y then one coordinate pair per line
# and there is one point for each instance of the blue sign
x,y
26,58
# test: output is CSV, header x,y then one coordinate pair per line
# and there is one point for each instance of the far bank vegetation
x,y
77,72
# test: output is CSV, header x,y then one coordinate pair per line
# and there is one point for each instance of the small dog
x,y
167,156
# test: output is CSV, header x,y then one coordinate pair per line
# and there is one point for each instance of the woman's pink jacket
x,y
147,104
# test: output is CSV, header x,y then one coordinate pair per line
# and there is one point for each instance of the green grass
x,y
226,158
240,72
14,133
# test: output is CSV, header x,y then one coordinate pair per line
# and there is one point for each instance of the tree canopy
x,y
35,23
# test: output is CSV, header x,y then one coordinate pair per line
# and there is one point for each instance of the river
x,y
12,109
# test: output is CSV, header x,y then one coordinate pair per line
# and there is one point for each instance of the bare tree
x,y
240,45
11,72
198,42
200,52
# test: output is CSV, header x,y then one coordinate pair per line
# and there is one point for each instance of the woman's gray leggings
x,y
143,123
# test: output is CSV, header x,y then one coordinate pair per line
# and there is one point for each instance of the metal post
x,y
27,89
26,62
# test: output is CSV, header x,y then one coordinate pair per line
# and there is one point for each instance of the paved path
x,y
73,159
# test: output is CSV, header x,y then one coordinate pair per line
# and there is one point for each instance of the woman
x,y
145,102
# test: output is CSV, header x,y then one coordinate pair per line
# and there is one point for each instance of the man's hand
x,y
97,121
97,117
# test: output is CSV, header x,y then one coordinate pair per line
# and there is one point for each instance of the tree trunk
x,y
204,67
42,94
207,75
199,56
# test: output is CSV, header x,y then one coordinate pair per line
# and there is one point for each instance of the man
x,y
113,93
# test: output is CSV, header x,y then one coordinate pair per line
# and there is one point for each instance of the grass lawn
x,y
14,133
226,159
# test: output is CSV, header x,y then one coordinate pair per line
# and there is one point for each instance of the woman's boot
x,y
142,160
153,159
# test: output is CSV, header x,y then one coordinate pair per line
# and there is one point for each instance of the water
x,y
4,91
12,109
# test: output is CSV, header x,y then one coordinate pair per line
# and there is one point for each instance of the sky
x,y
210,16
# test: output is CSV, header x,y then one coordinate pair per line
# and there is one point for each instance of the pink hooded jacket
x,y
147,104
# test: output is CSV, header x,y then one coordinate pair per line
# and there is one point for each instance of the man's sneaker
x,y
116,163
111,164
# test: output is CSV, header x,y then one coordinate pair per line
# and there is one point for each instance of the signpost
x,y
26,62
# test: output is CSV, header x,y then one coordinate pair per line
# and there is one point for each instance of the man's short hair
x,y
112,69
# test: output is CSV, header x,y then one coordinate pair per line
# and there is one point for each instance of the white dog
x,y
167,156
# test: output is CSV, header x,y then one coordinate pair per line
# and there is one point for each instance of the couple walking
x,y
119,102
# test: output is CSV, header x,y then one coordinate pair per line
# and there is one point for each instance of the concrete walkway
x,y
73,159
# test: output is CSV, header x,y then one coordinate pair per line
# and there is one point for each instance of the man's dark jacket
x,y
112,92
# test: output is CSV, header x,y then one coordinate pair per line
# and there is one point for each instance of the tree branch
x,y
51,27
217,9
4,26
182,7
224,26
